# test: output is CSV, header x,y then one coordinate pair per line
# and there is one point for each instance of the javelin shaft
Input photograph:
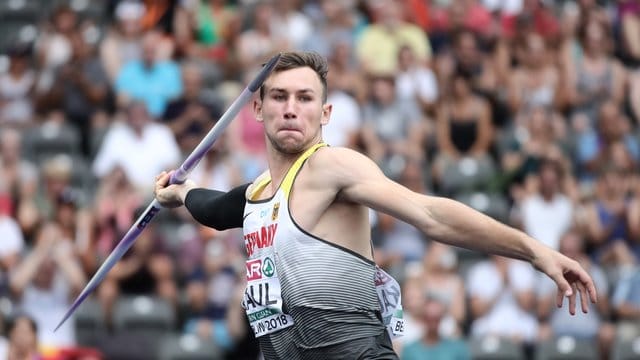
x,y
177,177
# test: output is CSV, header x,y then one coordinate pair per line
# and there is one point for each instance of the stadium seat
x,y
495,348
89,323
626,350
188,347
566,348
148,315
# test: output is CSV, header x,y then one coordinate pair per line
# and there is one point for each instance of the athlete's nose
x,y
290,109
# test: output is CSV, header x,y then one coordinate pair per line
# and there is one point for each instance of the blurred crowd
x,y
526,110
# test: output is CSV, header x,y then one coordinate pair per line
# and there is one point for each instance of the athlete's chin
x,y
289,145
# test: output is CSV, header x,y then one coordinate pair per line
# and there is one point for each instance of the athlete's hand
x,y
569,276
171,196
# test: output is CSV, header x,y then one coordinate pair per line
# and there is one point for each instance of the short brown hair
x,y
297,59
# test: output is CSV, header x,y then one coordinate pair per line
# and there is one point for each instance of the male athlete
x,y
310,273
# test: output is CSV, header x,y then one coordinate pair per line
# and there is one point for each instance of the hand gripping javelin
x,y
177,177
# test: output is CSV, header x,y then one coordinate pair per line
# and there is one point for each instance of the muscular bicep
x,y
361,181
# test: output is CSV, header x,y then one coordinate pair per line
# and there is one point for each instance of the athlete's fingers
x,y
583,297
572,301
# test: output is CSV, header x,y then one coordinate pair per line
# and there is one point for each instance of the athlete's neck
x,y
280,162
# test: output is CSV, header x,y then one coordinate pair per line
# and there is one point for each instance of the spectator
x,y
400,240
133,145
23,333
152,80
595,76
290,23
122,42
593,326
626,304
634,96
206,29
18,177
17,87
433,344
258,42
536,136
536,81
611,142
442,279
548,213
502,299
379,43
44,283
338,21
53,48
80,89
192,114
416,81
393,129
345,74
607,218
464,128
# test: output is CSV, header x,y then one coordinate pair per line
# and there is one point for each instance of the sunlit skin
x,y
292,112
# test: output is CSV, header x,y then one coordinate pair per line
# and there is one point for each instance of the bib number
x,y
263,298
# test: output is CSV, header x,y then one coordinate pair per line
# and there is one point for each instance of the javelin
x,y
177,177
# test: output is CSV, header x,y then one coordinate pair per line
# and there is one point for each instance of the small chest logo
x,y
274,213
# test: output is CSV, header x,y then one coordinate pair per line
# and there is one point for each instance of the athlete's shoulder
x,y
262,177
339,162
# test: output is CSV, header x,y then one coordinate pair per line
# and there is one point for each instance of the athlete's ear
x,y
257,109
326,114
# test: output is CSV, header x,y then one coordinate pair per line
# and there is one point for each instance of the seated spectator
x,y
534,82
191,115
44,283
626,304
611,142
593,326
290,23
463,127
548,213
80,89
17,87
416,81
53,46
378,44
337,21
433,345
122,41
441,278
607,216
502,299
22,332
399,240
133,145
257,43
153,80
596,75
393,129
346,119
345,74
634,96
18,176
536,136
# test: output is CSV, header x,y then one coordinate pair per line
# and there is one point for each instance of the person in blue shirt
x,y
152,80
432,345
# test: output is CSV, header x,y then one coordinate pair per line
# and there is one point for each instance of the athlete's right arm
x,y
217,209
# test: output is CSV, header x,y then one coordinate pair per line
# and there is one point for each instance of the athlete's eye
x,y
279,97
304,98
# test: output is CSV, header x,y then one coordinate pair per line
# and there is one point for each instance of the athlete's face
x,y
292,110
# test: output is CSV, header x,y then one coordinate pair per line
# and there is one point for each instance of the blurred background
x,y
526,110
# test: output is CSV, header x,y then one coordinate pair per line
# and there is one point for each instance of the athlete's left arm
x,y
356,178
